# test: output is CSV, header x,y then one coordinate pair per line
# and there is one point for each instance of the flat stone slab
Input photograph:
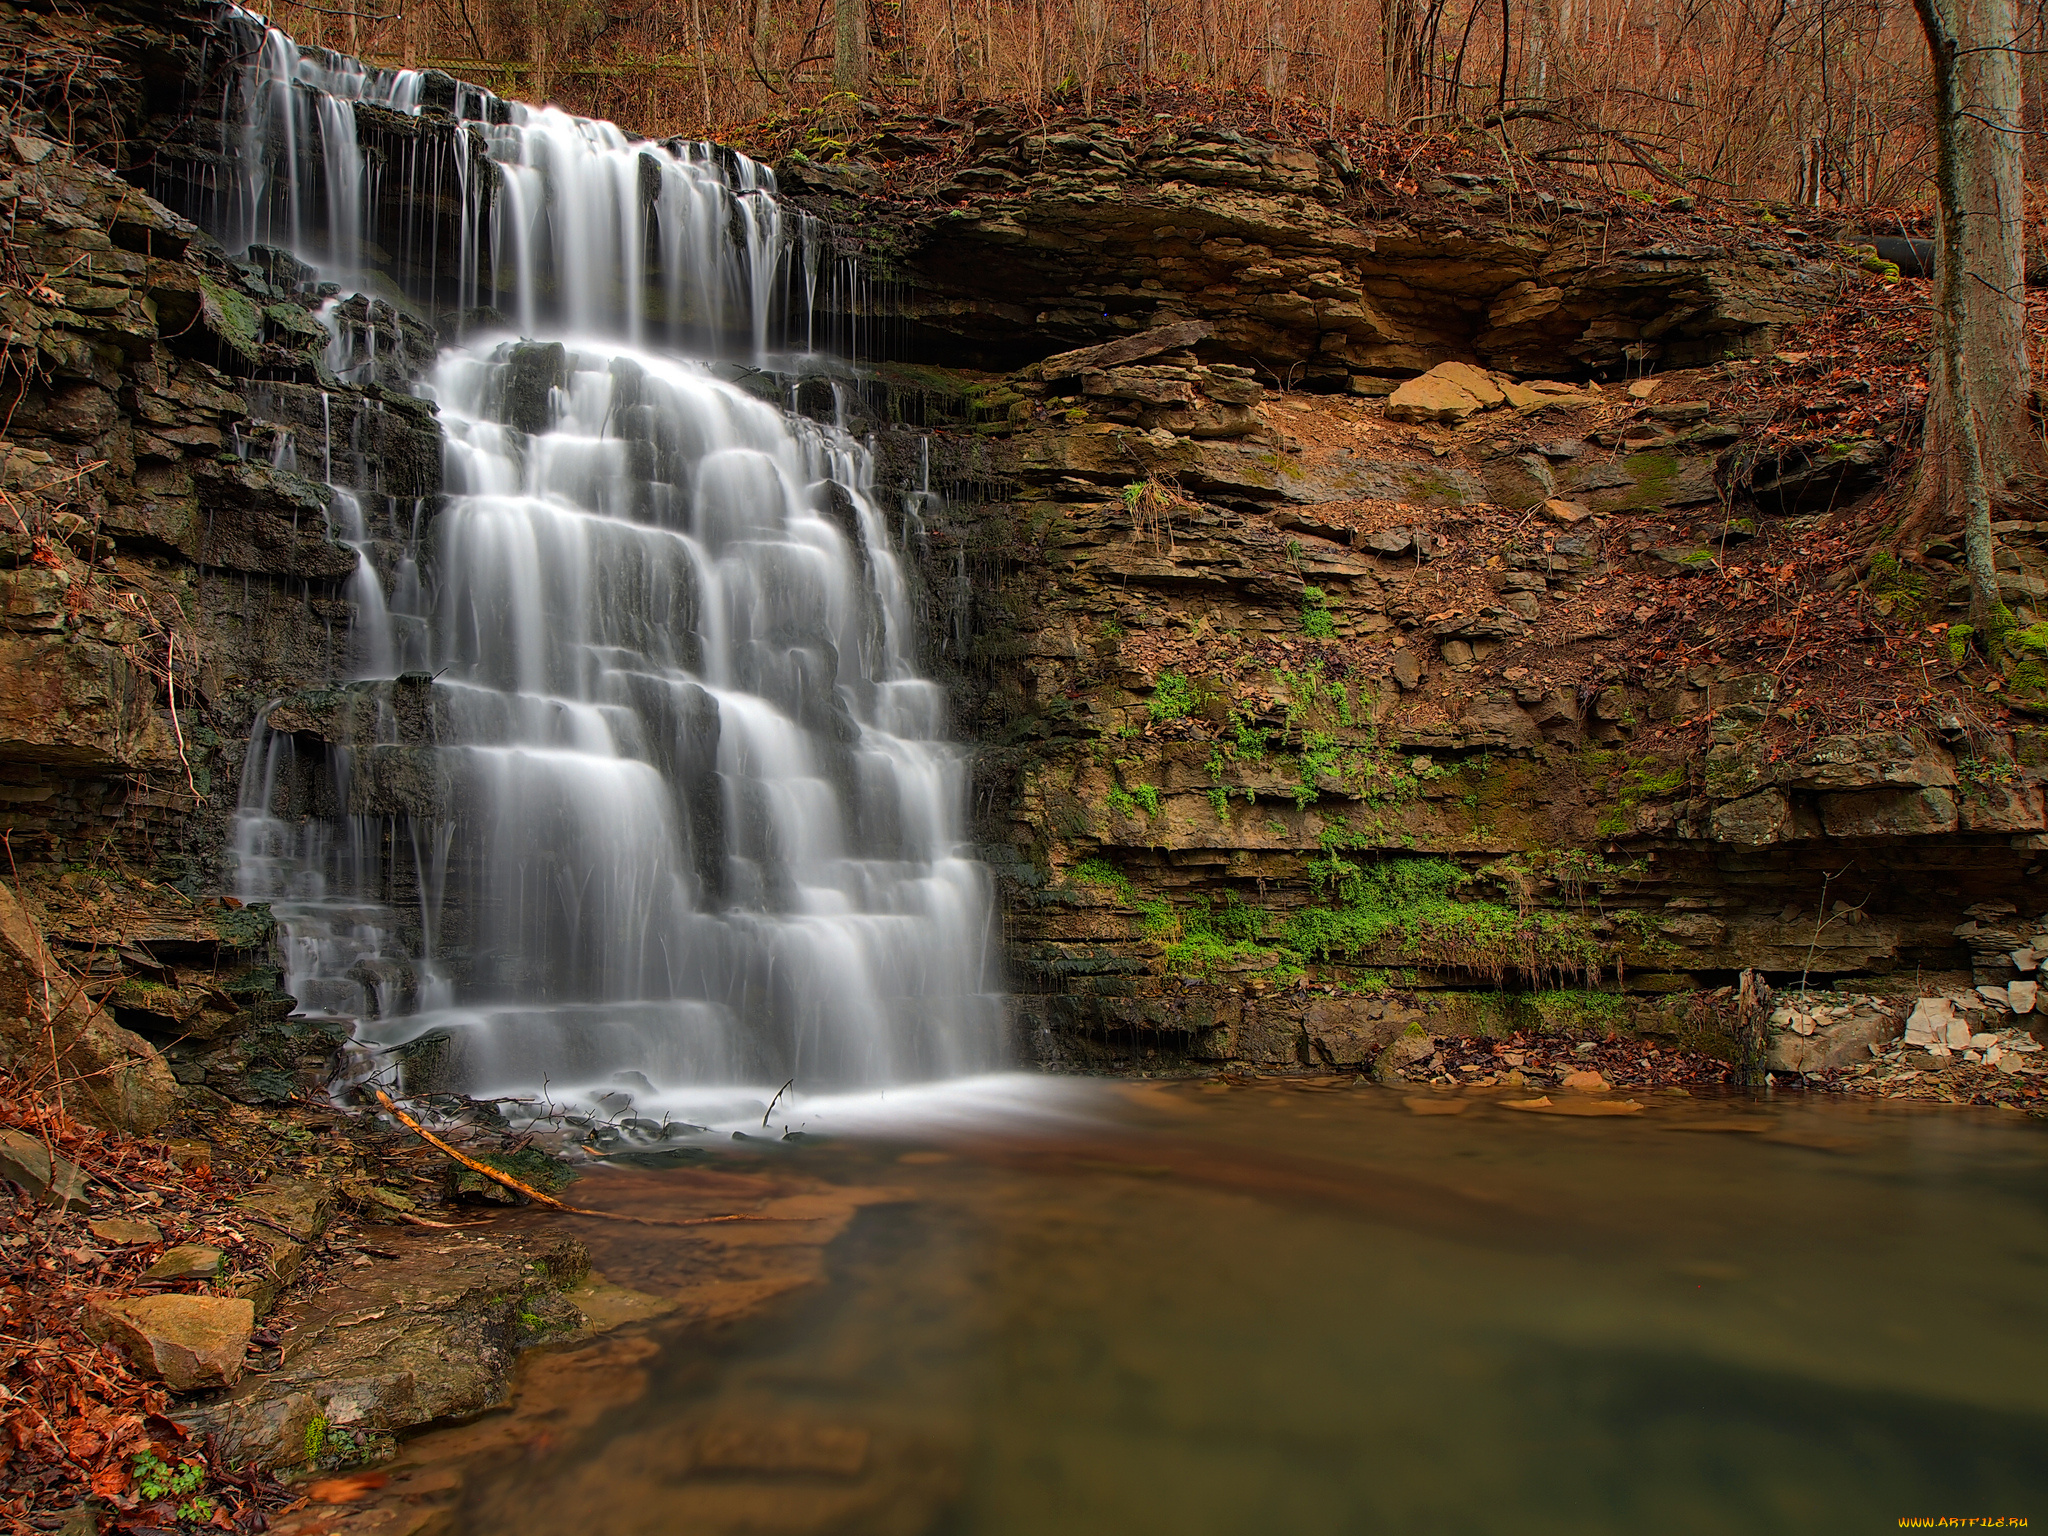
x,y
187,1342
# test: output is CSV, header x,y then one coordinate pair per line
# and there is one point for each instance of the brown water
x,y
1296,1307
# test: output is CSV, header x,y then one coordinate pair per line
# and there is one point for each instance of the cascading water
x,y
698,824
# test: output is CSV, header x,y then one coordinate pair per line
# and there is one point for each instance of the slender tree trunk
x,y
850,46
1273,71
1400,36
1539,29
1978,436
763,42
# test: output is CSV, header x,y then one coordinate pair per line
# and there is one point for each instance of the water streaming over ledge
x,y
694,812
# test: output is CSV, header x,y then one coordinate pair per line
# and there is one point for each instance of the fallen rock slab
x,y
118,1229
27,1164
1930,1021
187,1342
188,1261
1442,395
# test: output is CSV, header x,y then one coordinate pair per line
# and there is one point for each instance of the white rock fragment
x,y
1979,1041
1993,1056
2025,959
2007,1063
2021,995
1993,995
1939,1051
1959,1033
1930,1021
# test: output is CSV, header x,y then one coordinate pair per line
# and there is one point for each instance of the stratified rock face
x,y
1356,723
1078,233
163,396
166,569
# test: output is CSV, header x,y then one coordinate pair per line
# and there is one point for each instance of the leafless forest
x,y
1821,102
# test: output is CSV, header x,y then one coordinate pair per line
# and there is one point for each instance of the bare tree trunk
x,y
1401,80
1977,435
537,48
1273,71
763,41
1539,29
850,46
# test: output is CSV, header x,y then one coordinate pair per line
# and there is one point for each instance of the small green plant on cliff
x,y
1174,696
1129,802
1211,936
1317,622
1639,783
1418,908
1151,503
1103,873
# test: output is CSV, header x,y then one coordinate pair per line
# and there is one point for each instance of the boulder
x,y
1391,542
188,1342
299,1208
1476,382
1870,760
1408,1049
30,1166
2003,808
1559,510
1442,395
112,1078
1889,813
1543,394
1831,1041
1753,821
1343,1032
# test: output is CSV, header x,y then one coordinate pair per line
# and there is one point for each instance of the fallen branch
x,y
499,1177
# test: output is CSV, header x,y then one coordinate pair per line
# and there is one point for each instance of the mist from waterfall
x,y
694,809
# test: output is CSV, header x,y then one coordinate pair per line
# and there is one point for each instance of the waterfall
x,y
682,810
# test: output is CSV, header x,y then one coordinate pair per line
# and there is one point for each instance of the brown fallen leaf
x,y
1437,1106
345,1490
1578,1108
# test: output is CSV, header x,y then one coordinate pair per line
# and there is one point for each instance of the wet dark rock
x,y
534,369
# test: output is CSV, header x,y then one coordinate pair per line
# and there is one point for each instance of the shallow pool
x,y
1304,1306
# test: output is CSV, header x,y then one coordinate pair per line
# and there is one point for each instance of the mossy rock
x,y
233,319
